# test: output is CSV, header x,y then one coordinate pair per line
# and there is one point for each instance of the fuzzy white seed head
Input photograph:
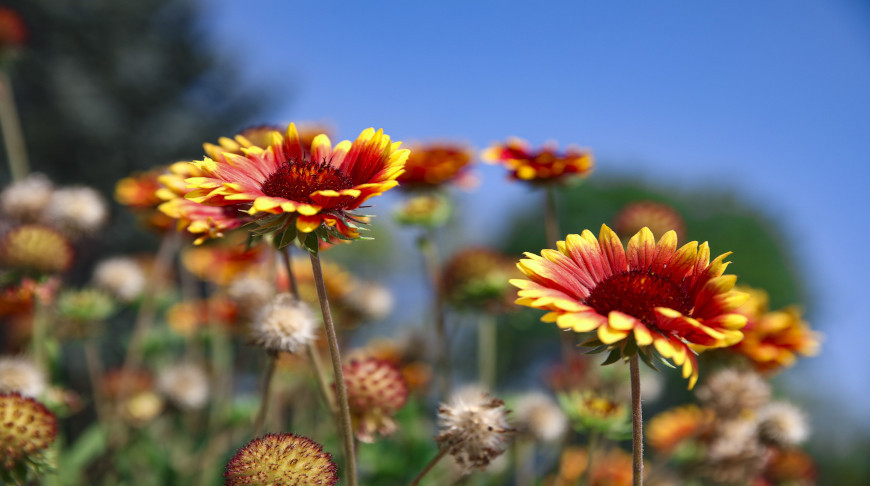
x,y
120,276
473,427
20,374
731,392
185,385
286,324
251,293
782,424
373,301
26,199
540,415
77,210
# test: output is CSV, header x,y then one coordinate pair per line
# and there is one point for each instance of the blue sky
x,y
769,100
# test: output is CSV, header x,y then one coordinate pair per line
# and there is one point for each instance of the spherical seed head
x,y
120,276
26,428
251,293
473,427
77,210
185,384
286,324
371,301
281,460
376,390
540,415
730,392
36,248
21,375
25,200
782,424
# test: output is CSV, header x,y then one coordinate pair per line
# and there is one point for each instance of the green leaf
x,y
287,236
614,356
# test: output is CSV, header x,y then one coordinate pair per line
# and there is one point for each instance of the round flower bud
x,y
375,391
121,277
77,210
25,200
473,428
286,325
281,460
186,385
21,375
26,429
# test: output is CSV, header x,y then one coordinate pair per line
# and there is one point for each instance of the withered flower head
x,y
281,460
539,415
730,392
285,325
77,210
185,384
473,427
376,390
120,276
21,375
25,200
782,424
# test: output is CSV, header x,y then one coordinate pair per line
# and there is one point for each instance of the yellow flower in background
x,y
316,191
435,164
647,297
669,429
544,165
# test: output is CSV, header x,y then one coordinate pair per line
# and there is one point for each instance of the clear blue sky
x,y
769,99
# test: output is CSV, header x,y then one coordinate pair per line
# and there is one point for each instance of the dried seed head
x,y
473,427
286,325
21,375
375,391
26,428
120,276
734,456
25,200
731,392
782,424
540,415
77,210
251,293
281,460
185,385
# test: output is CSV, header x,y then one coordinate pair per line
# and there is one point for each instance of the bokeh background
x,y
751,117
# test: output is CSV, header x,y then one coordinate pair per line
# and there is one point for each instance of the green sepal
x,y
597,349
310,242
646,359
615,355
287,237
593,342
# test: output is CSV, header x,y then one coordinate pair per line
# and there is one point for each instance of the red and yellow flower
x,y
436,164
772,340
651,296
671,428
140,192
318,189
543,165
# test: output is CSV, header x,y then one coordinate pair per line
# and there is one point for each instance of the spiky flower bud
x,y
77,210
375,391
281,460
26,199
782,424
21,375
26,429
185,384
34,247
731,392
120,276
286,324
473,427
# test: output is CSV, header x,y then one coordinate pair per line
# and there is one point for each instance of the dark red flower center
x,y
637,293
297,179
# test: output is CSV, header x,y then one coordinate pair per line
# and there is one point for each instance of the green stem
x,y
38,336
95,373
551,231
433,270
636,422
267,392
341,390
429,466
487,350
10,125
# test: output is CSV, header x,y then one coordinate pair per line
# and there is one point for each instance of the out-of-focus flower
x,y
223,262
589,410
25,200
261,137
791,467
671,428
281,459
544,165
435,164
79,309
285,325
429,210
13,33
77,210
21,375
122,277
116,382
654,296
734,455
311,192
185,385
26,429
189,316
36,248
371,301
407,353
658,217
782,424
540,416
251,293
774,339
139,192
18,298
612,467
142,407
473,427
478,278
730,393
376,390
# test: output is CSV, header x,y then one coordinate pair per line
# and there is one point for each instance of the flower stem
x,y
429,466
267,392
593,444
487,350
10,125
95,373
636,422
551,232
341,390
433,269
